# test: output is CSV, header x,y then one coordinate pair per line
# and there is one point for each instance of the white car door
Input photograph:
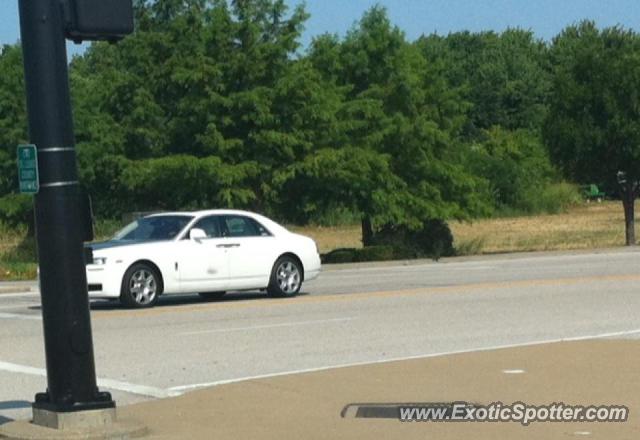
x,y
203,264
252,251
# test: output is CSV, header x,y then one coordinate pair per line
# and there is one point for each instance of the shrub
x,y
553,198
517,166
17,253
339,256
434,239
16,210
370,253
105,229
375,253
470,247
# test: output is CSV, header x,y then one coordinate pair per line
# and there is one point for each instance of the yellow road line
x,y
318,299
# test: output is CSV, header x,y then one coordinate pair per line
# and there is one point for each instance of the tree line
x,y
215,103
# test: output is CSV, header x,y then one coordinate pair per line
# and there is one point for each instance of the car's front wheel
x,y
286,278
141,286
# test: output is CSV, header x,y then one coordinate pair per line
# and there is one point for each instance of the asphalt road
x,y
350,315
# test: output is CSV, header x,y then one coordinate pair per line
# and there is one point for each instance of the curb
x,y
16,289
481,257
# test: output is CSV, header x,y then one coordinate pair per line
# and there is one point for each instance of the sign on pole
x,y
28,169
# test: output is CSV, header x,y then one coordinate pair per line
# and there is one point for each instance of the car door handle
x,y
227,246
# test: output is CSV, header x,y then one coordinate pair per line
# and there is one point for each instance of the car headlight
x,y
99,261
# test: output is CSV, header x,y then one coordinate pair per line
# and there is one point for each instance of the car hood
x,y
99,246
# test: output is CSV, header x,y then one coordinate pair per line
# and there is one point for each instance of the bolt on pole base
x,y
100,401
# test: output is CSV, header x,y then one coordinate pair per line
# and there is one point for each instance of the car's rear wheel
x,y
141,286
286,278
210,296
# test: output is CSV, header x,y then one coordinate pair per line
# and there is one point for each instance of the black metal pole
x,y
71,376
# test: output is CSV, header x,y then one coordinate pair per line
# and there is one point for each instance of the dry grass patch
x,y
330,238
586,226
17,255
8,242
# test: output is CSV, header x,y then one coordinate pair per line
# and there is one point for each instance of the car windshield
x,y
164,227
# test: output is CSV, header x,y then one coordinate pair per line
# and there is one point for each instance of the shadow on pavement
x,y
12,404
181,300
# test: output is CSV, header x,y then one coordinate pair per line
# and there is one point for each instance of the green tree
x,y
503,75
212,103
593,128
356,179
13,118
233,91
14,208
516,164
397,111
185,181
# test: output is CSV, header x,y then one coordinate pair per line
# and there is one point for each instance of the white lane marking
x,y
141,390
21,317
261,327
191,387
513,371
23,369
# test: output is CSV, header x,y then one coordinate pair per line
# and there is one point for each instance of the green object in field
x,y
28,169
592,192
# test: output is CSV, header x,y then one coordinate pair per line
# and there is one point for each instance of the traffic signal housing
x,y
91,20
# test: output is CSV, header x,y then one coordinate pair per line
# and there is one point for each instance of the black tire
x,y
286,278
137,277
210,296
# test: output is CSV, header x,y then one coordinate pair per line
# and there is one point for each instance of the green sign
x,y
28,169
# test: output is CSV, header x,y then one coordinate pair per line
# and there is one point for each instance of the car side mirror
x,y
197,234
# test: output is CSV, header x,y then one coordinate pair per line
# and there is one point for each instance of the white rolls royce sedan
x,y
206,252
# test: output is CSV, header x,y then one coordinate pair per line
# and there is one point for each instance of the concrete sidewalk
x,y
308,406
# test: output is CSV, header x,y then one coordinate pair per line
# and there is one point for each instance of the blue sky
x,y
545,17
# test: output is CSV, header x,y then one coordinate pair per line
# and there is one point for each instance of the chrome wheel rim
x,y
143,287
288,277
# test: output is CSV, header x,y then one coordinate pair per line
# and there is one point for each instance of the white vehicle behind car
x,y
206,252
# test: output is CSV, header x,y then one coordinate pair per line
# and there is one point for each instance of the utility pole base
x,y
100,418
83,425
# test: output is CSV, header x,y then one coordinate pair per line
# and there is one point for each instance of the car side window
x,y
264,232
239,226
210,225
